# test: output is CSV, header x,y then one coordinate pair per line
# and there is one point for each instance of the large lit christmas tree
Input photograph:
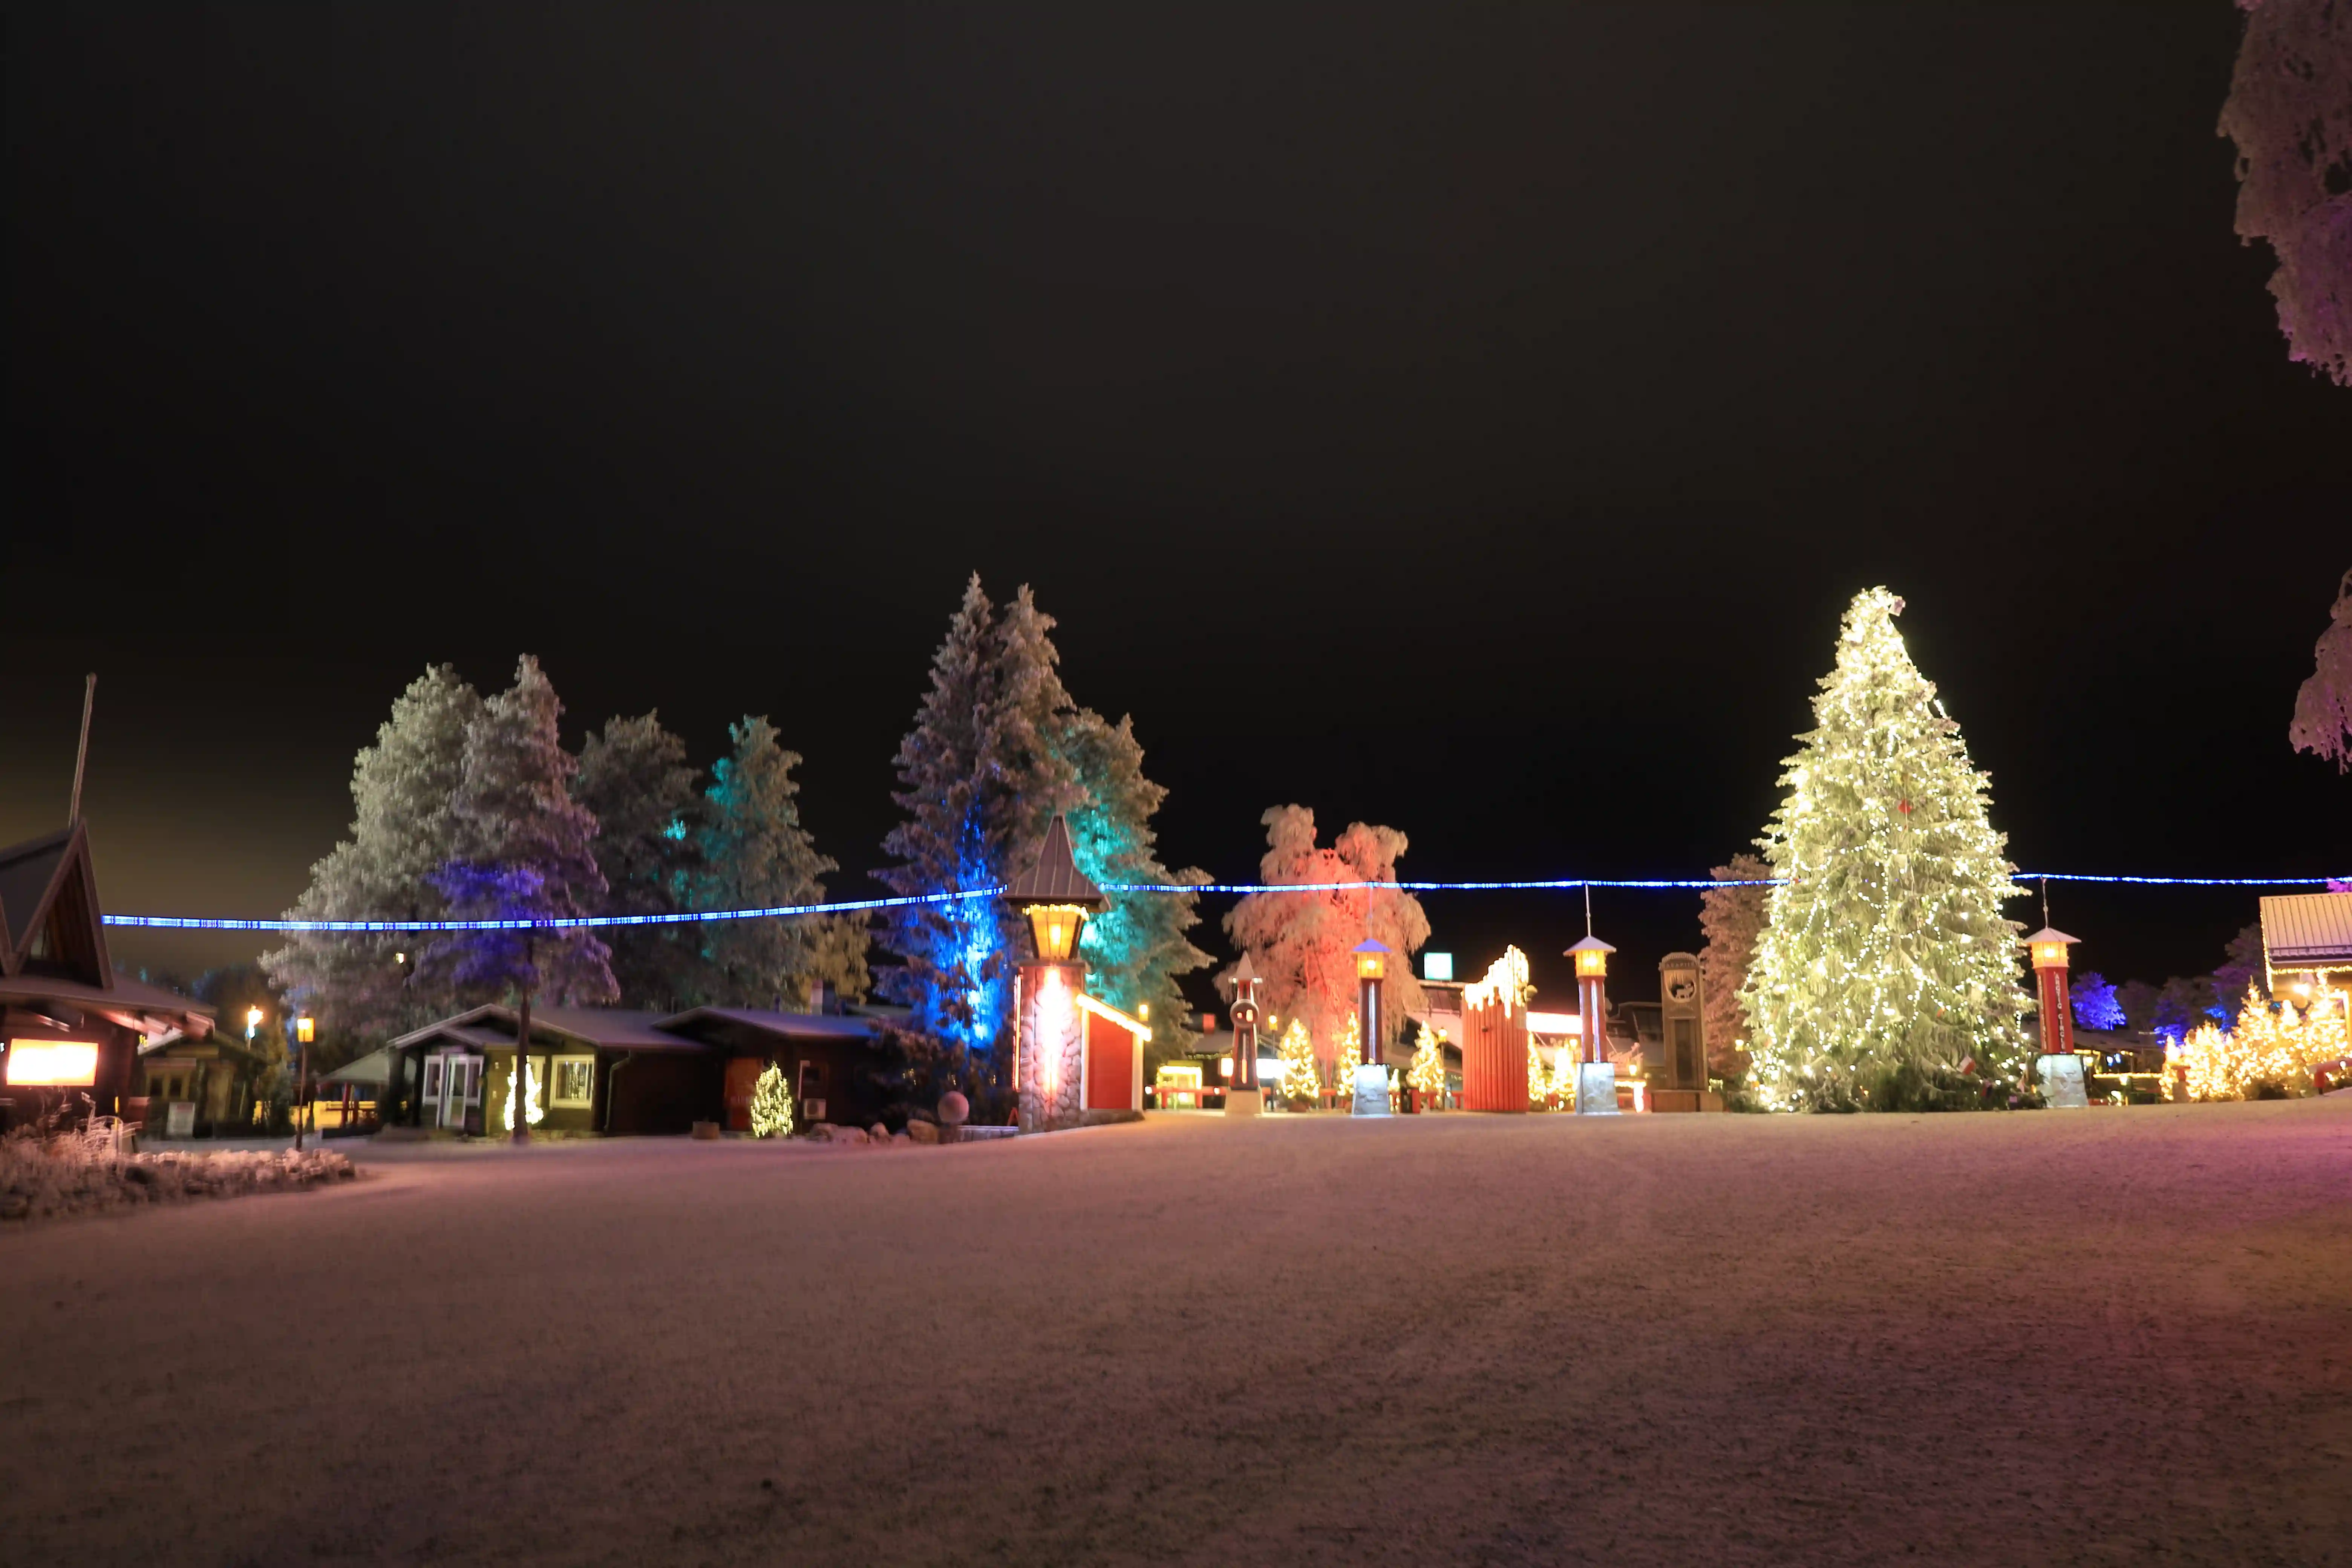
x,y
1886,977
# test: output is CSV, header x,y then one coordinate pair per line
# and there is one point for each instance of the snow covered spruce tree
x,y
525,853
637,781
1732,917
955,972
403,830
998,748
1886,977
755,854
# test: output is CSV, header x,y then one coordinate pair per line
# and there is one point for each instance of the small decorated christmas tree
x,y
1886,977
1300,1078
1344,1060
772,1105
1426,1075
1538,1082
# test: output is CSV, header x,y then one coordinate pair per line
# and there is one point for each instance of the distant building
x,y
610,1070
2307,938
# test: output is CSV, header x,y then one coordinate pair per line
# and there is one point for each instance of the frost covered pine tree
x,y
402,831
756,854
634,777
1884,973
998,748
1732,916
2323,706
526,853
1137,946
953,976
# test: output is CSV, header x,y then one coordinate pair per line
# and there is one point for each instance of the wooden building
x,y
616,1070
70,1027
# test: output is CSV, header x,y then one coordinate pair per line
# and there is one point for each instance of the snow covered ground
x,y
2103,1336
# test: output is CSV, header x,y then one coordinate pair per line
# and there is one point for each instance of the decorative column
x,y
2060,1069
1371,1073
1596,1075
1242,1094
1049,1044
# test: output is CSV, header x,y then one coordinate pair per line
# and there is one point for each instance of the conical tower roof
x,y
1054,878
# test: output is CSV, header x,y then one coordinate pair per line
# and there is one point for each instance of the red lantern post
x,y
2061,1071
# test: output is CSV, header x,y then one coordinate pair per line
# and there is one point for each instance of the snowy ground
x,y
2102,1337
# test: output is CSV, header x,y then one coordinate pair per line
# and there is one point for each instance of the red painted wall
x,y
1110,1065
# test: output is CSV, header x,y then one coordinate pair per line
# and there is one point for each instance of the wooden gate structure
x,y
1495,1037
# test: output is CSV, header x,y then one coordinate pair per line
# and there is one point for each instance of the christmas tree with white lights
x,y
1886,977
771,1104
1426,1074
1300,1078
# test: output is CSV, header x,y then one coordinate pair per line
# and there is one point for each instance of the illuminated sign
x,y
52,1064
1437,967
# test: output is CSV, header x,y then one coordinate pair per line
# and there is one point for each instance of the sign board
x,y
1437,967
179,1120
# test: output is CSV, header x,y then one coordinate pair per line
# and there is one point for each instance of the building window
x,y
432,1078
575,1079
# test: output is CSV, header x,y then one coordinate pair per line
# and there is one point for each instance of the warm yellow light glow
x,y
253,1018
1225,1068
2049,955
52,1064
304,1028
1055,927
1591,962
1371,966
1180,1074
1143,1011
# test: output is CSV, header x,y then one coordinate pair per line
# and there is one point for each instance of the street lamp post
x,y
1372,1096
304,1030
1596,1075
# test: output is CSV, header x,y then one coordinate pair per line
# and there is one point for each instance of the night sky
x,y
1470,422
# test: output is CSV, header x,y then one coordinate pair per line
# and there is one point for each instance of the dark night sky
x,y
1469,422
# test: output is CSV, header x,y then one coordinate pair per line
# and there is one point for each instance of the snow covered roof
x,y
2306,930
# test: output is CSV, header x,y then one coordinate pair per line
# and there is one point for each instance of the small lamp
x,y
304,1030
252,1023
1591,957
1372,961
2048,947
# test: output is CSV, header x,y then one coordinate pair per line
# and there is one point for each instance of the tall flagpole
x,y
81,754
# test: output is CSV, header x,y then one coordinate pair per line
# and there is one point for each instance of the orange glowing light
x,y
52,1064
303,1028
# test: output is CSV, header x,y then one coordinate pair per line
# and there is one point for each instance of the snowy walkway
x,y
2095,1337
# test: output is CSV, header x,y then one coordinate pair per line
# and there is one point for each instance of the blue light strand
x,y
851,906
566,922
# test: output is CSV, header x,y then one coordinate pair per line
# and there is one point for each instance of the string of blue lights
x,y
851,906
